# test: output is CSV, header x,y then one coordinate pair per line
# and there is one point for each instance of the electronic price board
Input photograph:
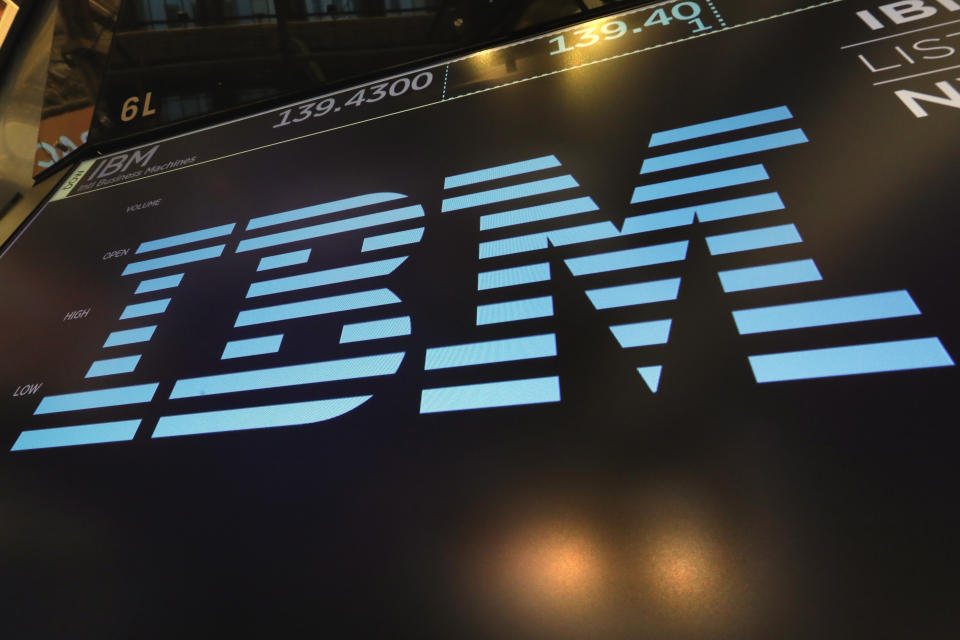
x,y
640,328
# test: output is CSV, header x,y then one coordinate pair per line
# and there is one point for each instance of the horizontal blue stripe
x,y
284,260
112,366
130,336
508,350
631,294
375,330
174,260
583,233
331,228
899,355
312,373
159,284
642,334
559,238
753,239
502,171
705,213
252,347
537,213
538,187
325,277
657,221
737,207
320,306
705,182
628,259
722,125
513,276
769,275
725,150
121,431
509,393
514,310
115,397
387,240
322,209
509,246
145,309
818,313
186,238
278,415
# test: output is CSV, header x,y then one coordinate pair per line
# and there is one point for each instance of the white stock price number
x,y
366,95
591,34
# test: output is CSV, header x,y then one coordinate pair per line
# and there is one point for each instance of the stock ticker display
x,y
704,245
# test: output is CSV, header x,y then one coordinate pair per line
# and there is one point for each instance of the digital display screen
x,y
642,328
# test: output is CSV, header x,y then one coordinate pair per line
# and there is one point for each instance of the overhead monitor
x,y
645,326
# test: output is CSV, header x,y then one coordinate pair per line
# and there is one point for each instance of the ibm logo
x,y
515,238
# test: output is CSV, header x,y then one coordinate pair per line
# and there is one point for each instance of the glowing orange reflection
x,y
559,565
690,579
684,569
549,575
